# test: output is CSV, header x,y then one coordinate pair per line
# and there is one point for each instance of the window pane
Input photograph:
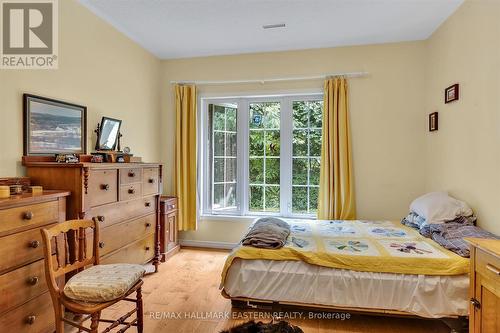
x,y
272,199
300,115
299,202
230,144
218,143
230,170
315,143
218,196
256,198
231,195
219,118
314,171
231,119
256,170
299,143
316,114
273,171
271,115
256,115
299,171
256,143
272,143
313,199
218,170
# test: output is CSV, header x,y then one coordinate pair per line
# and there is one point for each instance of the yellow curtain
x,y
336,189
185,155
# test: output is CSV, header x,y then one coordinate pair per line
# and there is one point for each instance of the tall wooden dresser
x,y
124,197
485,285
25,303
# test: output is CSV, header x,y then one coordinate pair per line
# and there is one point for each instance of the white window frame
x,y
242,168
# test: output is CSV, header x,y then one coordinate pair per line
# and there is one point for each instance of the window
x,y
261,155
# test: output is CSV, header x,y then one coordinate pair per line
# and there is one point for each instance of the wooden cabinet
x,y
169,235
25,303
485,286
124,197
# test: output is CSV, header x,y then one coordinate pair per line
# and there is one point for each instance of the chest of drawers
x,y
25,304
124,197
485,285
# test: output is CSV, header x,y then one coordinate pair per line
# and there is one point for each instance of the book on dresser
x,y
123,197
25,303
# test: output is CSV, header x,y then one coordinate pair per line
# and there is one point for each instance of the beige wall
x,y
386,117
98,67
463,157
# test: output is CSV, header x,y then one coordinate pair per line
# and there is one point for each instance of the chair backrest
x,y
70,247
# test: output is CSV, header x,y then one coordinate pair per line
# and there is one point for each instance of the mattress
x,y
431,296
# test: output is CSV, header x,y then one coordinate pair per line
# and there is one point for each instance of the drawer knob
x,y
105,187
131,191
101,244
34,244
475,303
101,218
33,280
28,216
493,269
147,248
147,204
30,320
131,174
151,180
148,225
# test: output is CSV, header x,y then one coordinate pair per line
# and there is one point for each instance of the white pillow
x,y
439,207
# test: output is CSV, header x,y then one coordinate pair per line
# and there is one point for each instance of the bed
x,y
365,266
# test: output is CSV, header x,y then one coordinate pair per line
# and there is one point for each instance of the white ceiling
x,y
192,28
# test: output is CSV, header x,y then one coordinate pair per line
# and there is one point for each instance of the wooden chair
x,y
71,257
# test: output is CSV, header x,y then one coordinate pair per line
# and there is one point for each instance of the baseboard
x,y
207,244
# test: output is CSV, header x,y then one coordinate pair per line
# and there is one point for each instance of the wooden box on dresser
x,y
485,285
169,235
124,197
25,303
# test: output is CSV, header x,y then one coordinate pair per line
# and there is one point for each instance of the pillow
x,y
439,207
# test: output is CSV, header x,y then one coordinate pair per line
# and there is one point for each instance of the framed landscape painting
x,y
53,127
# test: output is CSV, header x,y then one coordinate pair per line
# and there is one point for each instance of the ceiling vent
x,y
274,26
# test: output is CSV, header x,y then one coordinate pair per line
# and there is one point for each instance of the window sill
x,y
245,218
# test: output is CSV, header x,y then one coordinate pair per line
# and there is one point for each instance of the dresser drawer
x,y
28,216
36,316
119,235
121,211
129,176
150,181
21,285
488,266
21,248
139,252
103,187
130,191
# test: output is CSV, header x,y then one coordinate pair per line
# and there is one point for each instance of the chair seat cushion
x,y
103,283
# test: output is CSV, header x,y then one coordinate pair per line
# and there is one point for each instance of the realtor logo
x,y
29,34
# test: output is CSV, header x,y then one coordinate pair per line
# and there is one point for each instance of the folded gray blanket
x,y
267,233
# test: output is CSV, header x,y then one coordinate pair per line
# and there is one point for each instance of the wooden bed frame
x,y
456,323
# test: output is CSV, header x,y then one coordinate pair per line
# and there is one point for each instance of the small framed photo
x,y
433,122
53,127
451,93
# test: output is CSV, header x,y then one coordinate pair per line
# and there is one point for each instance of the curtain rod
x,y
262,81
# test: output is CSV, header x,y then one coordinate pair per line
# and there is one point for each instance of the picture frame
x,y
433,122
53,127
452,93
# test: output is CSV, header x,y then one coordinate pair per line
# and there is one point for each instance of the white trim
x,y
207,244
